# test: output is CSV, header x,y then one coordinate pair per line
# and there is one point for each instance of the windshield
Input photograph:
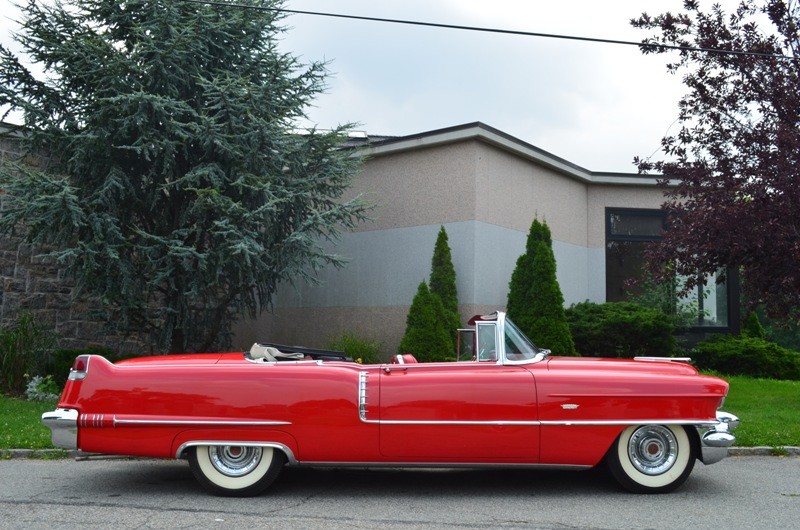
x,y
518,346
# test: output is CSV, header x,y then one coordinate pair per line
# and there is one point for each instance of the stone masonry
x,y
32,281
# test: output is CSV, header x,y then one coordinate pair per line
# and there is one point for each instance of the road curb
x,y
764,451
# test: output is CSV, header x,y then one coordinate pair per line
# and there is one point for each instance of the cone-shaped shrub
x,y
443,283
535,302
426,337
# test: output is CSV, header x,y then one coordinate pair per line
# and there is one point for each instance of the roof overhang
x,y
481,132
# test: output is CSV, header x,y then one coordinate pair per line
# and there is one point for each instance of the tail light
x,y
80,367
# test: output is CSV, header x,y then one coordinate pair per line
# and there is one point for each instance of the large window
x,y
628,233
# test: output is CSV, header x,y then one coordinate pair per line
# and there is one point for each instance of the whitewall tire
x,y
235,470
652,458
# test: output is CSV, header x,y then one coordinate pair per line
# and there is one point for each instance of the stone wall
x,y
32,281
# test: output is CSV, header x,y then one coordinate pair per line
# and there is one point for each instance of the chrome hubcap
x,y
653,449
234,460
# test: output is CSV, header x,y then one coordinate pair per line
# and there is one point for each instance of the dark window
x,y
628,233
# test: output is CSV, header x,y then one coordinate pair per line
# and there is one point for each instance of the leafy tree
x,y
426,337
535,302
736,158
443,283
177,193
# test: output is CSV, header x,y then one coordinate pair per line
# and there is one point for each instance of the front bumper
x,y
717,438
63,424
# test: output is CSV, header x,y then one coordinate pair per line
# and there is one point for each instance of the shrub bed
x,y
620,329
751,356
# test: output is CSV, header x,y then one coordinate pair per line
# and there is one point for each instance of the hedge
x,y
750,356
620,329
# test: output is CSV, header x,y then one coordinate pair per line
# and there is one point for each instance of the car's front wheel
x,y
652,458
235,470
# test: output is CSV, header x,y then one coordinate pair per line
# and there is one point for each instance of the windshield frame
x,y
509,331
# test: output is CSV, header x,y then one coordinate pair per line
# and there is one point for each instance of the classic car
x,y
240,417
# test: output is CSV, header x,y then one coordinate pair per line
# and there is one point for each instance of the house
x,y
485,187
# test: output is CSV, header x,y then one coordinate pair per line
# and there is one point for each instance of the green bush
x,y
751,327
620,329
535,302
366,351
426,336
750,356
25,349
443,283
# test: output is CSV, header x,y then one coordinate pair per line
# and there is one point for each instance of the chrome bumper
x,y
64,426
717,438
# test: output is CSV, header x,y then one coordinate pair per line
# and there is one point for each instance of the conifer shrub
x,y
620,329
443,283
426,336
750,356
751,327
535,302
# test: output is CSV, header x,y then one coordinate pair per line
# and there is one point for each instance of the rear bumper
x,y
63,424
717,438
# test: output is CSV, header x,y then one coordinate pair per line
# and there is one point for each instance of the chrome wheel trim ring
x,y
234,460
653,449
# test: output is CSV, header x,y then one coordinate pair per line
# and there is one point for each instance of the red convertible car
x,y
239,418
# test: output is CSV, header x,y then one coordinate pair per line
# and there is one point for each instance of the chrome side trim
x,y
118,421
363,378
275,445
456,422
445,465
581,423
63,424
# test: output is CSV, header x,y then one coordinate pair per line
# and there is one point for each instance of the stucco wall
x,y
486,197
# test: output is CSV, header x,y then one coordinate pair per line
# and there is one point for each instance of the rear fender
x,y
277,439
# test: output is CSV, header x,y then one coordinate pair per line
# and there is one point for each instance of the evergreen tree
x,y
426,337
535,302
752,327
178,193
443,283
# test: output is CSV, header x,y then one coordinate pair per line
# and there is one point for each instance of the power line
x,y
494,30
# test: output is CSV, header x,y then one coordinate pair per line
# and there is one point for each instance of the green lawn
x,y
21,426
769,410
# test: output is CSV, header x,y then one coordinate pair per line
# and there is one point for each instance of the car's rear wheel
x,y
235,470
652,458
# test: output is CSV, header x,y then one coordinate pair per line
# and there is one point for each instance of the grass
x,y
21,426
769,410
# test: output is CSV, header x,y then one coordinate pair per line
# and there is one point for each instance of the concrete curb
x,y
48,454
764,451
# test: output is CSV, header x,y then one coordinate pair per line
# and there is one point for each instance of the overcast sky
x,y
596,105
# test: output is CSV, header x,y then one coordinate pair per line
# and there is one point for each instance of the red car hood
x,y
595,364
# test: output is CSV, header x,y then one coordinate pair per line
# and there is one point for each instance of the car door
x,y
464,411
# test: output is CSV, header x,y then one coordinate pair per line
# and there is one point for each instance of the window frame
x,y
732,285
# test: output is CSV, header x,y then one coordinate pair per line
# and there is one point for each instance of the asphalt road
x,y
739,492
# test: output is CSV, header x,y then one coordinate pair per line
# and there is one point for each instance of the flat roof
x,y
484,133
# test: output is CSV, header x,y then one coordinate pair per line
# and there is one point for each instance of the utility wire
x,y
495,30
